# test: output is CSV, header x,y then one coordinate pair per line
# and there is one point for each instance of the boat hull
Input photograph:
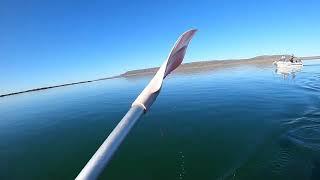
x,y
288,64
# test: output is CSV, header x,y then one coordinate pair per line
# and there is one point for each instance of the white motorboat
x,y
288,62
288,66
286,70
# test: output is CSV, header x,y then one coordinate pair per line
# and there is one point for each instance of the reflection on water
x,y
228,123
288,71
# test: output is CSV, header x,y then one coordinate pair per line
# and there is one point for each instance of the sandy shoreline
x,y
192,67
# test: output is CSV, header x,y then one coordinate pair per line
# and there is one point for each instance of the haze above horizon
x,y
45,43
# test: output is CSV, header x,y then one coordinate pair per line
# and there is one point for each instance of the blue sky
x,y
51,42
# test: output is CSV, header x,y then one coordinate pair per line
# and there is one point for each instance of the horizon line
x,y
125,74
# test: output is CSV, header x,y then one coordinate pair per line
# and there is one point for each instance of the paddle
x,y
143,102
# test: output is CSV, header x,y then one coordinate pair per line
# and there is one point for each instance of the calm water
x,y
237,123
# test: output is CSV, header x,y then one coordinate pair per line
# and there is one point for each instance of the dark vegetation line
x,y
200,64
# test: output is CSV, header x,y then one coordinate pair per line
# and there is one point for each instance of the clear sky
x,y
51,42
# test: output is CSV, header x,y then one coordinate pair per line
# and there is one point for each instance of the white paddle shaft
x,y
100,159
102,156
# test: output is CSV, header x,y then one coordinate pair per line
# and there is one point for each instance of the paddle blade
x,y
178,51
175,58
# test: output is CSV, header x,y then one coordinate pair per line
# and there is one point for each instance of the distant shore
x,y
216,64
184,68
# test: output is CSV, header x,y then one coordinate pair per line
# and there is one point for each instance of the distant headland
x,y
216,64
184,68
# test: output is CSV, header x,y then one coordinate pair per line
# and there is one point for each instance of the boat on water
x,y
290,62
287,66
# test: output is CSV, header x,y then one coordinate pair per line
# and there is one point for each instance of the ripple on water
x,y
305,131
306,136
281,160
311,83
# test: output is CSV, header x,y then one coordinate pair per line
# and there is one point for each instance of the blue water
x,y
241,122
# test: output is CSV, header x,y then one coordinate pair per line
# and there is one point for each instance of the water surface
x,y
235,123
